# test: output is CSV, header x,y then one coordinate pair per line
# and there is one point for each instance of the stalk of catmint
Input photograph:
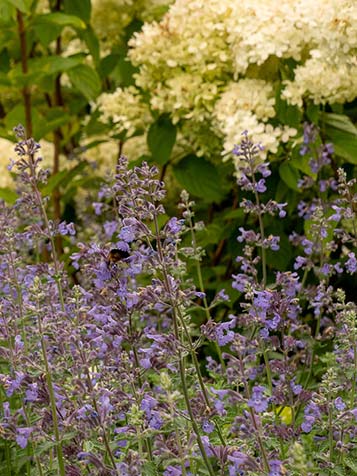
x,y
188,215
27,164
48,373
175,314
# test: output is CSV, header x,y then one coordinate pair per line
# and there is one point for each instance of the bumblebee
x,y
115,255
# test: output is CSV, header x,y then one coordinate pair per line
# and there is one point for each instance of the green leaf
x,y
59,19
4,80
62,178
350,463
161,139
4,61
47,32
45,66
313,112
55,118
301,162
340,122
8,195
107,64
41,125
92,42
71,174
86,80
7,15
22,5
149,469
290,175
199,177
211,234
80,8
287,114
343,134
124,71
279,260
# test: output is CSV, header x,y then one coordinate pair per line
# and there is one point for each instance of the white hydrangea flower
x,y
187,63
259,30
186,96
254,95
125,110
247,105
111,17
330,72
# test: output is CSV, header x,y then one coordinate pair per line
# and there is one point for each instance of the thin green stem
x,y
19,299
201,285
257,428
96,408
60,458
181,359
330,431
268,371
192,417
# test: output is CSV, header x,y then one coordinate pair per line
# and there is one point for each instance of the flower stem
x,y
181,358
60,458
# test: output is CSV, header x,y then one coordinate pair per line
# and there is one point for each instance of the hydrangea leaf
x,y
343,133
22,5
80,8
199,177
290,175
161,139
59,19
86,80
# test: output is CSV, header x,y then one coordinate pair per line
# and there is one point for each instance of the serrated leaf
x,y
290,175
199,177
161,139
80,8
86,80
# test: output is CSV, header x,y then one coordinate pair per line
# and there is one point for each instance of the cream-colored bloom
x,y
247,105
330,72
111,17
187,63
125,110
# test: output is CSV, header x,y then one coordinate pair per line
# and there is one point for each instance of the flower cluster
x,y
102,368
125,110
221,64
111,28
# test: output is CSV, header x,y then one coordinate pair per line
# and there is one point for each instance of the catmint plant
x,y
102,368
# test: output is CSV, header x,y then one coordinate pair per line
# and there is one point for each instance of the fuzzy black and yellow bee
x,y
115,256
